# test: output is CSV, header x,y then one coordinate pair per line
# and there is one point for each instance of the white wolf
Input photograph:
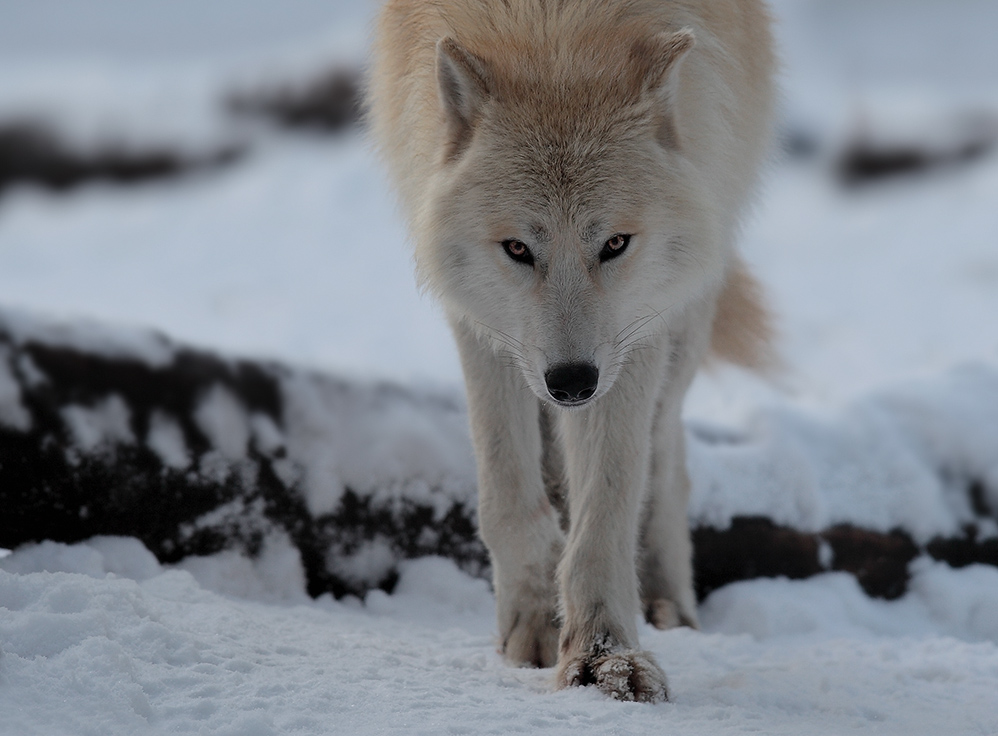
x,y
574,173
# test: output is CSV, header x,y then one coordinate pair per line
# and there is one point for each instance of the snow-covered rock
x,y
195,454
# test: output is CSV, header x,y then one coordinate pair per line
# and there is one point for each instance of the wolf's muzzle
x,y
572,383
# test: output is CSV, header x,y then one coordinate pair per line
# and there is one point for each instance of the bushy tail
x,y
743,327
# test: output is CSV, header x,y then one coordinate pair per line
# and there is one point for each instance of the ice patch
x,y
12,411
166,439
106,423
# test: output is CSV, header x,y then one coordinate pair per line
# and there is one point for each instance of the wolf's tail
x,y
743,330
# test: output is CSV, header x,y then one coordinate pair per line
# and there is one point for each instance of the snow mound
x,y
902,458
148,649
962,604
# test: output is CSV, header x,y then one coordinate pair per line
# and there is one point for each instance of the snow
x,y
275,575
897,458
166,439
190,651
273,257
955,603
224,422
367,436
102,425
66,67
114,341
886,295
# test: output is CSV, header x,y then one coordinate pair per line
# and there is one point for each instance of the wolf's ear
x,y
658,59
462,82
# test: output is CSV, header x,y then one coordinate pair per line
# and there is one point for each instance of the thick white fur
x,y
560,123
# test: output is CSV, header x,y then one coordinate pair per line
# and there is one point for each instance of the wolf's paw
x,y
663,613
623,675
533,640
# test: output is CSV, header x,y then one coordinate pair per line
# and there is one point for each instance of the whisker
x,y
507,337
633,326
514,350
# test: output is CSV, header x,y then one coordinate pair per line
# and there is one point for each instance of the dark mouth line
x,y
571,404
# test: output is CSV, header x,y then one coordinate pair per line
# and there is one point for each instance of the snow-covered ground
x,y
296,253
146,650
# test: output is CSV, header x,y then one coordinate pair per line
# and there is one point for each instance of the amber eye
x,y
614,246
518,251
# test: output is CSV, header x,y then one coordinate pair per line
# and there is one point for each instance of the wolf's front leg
x,y
666,556
518,523
607,455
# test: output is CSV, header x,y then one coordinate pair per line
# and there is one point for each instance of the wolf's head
x,y
567,225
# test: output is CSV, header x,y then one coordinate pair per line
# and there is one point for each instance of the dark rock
x,y
873,156
330,102
78,458
31,153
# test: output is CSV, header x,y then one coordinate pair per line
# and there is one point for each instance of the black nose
x,y
570,383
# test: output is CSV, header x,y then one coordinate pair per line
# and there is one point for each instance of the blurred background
x,y
199,168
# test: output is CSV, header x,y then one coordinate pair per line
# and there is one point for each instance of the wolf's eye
x,y
518,251
614,247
